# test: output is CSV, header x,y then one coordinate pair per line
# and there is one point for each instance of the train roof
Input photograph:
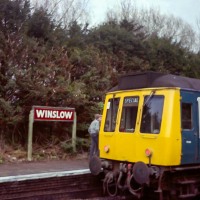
x,y
155,79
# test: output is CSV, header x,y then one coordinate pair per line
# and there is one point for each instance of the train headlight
x,y
148,152
106,149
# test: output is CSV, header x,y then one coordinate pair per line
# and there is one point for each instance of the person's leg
x,y
96,149
97,145
92,146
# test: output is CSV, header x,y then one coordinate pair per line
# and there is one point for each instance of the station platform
x,y
27,170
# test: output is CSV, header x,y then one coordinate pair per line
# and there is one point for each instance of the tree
x,y
40,25
123,41
198,35
154,23
76,35
13,15
167,26
165,56
64,12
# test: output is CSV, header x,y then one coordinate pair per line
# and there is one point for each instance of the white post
x,y
74,133
30,136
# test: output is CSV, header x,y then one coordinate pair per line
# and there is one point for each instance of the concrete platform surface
x,y
36,167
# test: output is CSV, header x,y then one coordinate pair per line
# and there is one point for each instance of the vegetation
x,y
54,57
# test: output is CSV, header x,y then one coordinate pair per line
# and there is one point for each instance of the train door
x,y
125,142
189,125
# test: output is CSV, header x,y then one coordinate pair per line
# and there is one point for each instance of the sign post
x,y
30,135
74,134
43,113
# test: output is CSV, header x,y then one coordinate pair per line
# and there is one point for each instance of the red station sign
x,y
43,113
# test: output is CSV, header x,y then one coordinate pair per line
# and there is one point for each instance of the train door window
x,y
111,115
186,116
129,114
152,114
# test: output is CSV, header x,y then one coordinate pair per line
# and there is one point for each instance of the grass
x,y
47,151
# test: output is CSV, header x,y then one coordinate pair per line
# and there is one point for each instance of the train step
x,y
185,196
186,182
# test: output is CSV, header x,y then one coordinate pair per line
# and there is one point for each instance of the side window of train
x,y
129,114
152,114
111,115
186,116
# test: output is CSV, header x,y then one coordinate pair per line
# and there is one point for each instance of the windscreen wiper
x,y
149,97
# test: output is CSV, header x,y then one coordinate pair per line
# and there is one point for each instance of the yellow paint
x,y
165,146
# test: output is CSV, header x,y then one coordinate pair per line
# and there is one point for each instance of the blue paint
x,y
190,137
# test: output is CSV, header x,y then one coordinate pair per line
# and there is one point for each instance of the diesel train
x,y
149,139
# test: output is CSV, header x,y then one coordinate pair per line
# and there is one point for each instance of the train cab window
x,y
186,116
111,115
129,114
152,114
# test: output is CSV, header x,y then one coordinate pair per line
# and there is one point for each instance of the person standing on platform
x,y
94,134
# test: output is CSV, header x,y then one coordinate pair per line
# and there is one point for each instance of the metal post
x,y
74,133
30,135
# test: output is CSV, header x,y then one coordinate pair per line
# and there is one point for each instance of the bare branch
x,y
65,11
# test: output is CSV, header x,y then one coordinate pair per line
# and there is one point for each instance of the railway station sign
x,y
42,113
45,113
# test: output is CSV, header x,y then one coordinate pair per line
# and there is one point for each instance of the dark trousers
x,y
94,149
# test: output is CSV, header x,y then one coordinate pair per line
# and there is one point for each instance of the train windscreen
x,y
152,114
111,115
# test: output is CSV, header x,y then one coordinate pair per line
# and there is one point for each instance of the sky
x,y
188,10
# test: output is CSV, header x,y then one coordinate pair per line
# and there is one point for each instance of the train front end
x,y
142,125
140,135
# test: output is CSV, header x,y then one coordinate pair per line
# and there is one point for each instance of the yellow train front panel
x,y
142,125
